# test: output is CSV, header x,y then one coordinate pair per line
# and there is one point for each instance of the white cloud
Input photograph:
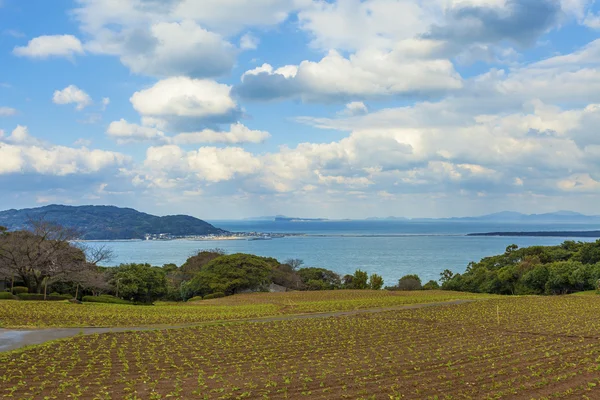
x,y
237,134
167,49
366,74
125,132
182,104
7,111
50,46
354,108
249,42
72,94
105,103
21,153
168,165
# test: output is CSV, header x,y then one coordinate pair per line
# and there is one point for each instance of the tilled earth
x,y
518,348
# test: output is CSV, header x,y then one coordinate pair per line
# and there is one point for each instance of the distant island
x,y
112,223
586,234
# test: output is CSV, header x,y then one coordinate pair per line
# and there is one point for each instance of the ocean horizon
x,y
391,249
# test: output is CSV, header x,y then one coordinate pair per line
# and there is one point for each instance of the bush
x,y
20,289
105,298
214,296
410,282
431,285
197,298
35,296
6,296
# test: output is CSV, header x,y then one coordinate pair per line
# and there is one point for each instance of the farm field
x,y
38,314
510,348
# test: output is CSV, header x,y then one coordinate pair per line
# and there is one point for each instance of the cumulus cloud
x,y
184,105
72,95
237,134
125,132
366,74
50,46
171,38
21,153
169,48
168,165
520,21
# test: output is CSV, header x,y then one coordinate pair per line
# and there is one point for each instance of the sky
x,y
226,109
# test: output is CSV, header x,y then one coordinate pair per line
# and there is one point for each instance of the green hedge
x,y
35,296
6,296
105,298
197,298
20,289
214,296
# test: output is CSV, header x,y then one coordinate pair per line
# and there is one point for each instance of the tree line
x,y
48,260
542,270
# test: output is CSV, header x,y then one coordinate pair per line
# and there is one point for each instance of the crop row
x,y
64,314
483,350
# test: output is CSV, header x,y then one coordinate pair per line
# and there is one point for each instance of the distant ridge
x,y
109,222
511,216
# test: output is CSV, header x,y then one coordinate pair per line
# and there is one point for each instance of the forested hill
x,y
109,222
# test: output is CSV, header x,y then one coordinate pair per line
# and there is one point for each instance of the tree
x,y
231,274
431,285
445,276
375,282
410,282
330,278
40,255
140,283
294,263
360,280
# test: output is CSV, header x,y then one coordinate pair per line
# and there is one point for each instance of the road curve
x,y
12,339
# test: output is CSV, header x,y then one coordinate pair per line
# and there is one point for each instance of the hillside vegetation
x,y
566,268
108,222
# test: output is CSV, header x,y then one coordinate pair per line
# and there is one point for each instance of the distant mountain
x,y
281,218
387,219
109,222
509,216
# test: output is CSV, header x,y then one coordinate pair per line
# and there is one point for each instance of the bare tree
x,y
41,255
294,263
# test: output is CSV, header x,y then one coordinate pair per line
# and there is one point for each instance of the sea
x,y
389,248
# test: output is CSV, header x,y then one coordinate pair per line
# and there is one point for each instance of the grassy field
x,y
509,348
22,314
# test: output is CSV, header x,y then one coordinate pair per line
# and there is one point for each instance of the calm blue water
x,y
399,248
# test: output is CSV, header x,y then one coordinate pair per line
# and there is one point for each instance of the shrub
x,y
214,296
35,296
410,282
197,298
431,285
20,289
6,296
105,298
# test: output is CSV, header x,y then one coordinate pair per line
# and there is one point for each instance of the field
x,y
513,348
22,314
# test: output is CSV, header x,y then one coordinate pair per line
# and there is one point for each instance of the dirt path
x,y
12,339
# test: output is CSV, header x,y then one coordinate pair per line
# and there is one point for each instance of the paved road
x,y
12,339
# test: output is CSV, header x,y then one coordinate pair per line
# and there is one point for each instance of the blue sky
x,y
339,109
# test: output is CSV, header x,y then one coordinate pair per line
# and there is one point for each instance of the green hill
x,y
109,222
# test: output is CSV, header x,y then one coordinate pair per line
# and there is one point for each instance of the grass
x,y
587,293
38,314
524,348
